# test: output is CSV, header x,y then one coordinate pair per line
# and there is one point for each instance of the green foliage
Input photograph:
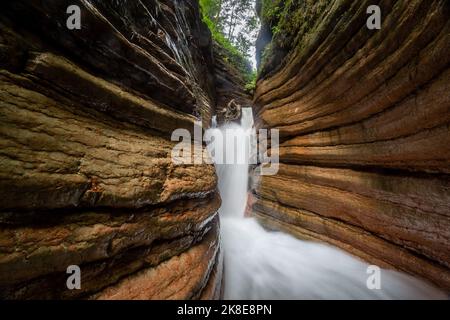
x,y
251,82
290,20
271,10
224,19
266,53
208,7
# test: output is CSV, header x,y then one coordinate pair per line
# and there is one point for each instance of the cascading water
x,y
272,265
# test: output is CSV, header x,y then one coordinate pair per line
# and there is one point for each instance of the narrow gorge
x,y
87,177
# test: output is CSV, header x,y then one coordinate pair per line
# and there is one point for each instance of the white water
x,y
272,265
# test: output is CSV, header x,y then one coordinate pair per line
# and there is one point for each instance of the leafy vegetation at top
x,y
290,21
234,25
271,10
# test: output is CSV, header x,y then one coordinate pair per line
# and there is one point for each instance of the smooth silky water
x,y
261,264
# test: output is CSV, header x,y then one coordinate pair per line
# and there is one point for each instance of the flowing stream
x,y
261,264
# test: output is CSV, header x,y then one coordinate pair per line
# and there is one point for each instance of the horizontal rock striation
x,y
364,118
86,175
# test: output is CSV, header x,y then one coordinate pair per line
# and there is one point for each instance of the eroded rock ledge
x,y
364,117
86,175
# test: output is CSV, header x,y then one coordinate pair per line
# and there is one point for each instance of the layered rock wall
x,y
86,176
364,119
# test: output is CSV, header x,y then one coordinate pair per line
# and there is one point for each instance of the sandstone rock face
x,y
364,120
86,175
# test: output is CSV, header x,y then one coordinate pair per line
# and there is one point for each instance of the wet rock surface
x,y
364,124
86,172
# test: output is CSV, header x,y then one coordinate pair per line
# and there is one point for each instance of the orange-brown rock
x,y
86,175
181,277
364,121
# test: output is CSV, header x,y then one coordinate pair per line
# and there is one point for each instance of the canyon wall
x,y
364,118
230,85
86,176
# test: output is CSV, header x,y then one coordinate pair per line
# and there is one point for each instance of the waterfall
x,y
260,264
